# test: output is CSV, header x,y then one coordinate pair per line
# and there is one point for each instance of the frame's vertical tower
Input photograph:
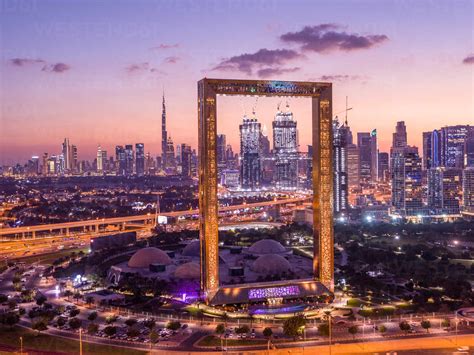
x,y
323,260
208,204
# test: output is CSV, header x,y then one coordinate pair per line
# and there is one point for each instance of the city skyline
x,y
61,78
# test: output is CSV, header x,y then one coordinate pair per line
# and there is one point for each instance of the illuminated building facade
x,y
285,149
340,167
321,99
140,159
444,190
250,168
164,135
468,189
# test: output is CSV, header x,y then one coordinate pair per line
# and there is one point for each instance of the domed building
x,y
267,246
271,264
192,249
188,271
145,257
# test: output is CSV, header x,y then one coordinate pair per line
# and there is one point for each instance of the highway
x,y
30,231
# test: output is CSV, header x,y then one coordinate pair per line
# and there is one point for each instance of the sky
x,y
95,71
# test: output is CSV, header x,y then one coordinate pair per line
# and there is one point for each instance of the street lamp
x,y
21,345
80,341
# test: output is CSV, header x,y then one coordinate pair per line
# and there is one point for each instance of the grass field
x,y
212,340
10,342
50,257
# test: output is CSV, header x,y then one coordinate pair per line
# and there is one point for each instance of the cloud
x,y
326,38
469,59
137,67
56,68
164,46
337,77
171,60
20,62
262,59
267,72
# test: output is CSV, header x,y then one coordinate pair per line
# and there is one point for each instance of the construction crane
x,y
344,111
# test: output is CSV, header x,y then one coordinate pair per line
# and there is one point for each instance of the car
x,y
463,348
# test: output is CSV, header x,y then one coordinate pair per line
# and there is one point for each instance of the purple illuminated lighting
x,y
273,292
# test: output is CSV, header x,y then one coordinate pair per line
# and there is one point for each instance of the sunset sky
x,y
94,71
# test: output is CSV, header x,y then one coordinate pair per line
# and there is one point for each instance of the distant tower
x,y
164,135
340,166
250,169
140,159
285,147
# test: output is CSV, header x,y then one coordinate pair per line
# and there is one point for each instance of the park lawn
x,y
212,340
10,339
355,302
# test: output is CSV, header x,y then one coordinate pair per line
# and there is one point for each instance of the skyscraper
x,y
365,156
444,190
186,160
353,166
164,135
100,160
384,166
340,167
74,158
120,160
250,169
285,148
407,188
469,149
399,138
170,157
427,152
140,159
221,148
453,140
468,189
129,159
67,156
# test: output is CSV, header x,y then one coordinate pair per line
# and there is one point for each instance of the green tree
x,y
292,327
133,332
40,300
173,325
426,324
267,332
68,294
75,323
404,326
131,322
220,329
353,330
92,316
10,319
110,330
61,321
92,328
149,323
111,319
154,336
74,312
382,329
89,300
39,325
12,304
446,323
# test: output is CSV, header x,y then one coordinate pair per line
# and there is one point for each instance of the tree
x,y
323,329
61,321
426,324
446,323
92,316
154,336
39,325
220,329
173,325
74,312
382,329
68,294
404,326
149,323
40,300
92,328
10,319
89,300
75,323
353,330
293,326
267,332
133,332
110,330
12,304
243,329
131,322
111,319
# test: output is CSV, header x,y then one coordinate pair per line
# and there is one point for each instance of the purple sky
x,y
94,71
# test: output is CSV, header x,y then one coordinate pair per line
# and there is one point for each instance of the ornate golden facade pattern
x,y
321,94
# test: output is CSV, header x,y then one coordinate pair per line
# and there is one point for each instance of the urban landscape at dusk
x,y
242,177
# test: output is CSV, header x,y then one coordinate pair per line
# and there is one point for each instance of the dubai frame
x,y
321,99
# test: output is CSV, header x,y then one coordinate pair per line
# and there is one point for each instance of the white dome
x,y
146,256
192,249
271,264
188,271
267,246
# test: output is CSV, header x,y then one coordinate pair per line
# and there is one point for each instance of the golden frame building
x,y
321,98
